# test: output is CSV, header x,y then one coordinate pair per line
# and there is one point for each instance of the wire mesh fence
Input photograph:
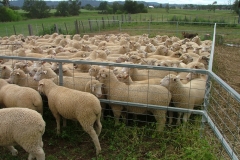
x,y
151,104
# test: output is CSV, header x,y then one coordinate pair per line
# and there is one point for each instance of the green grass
x,y
123,142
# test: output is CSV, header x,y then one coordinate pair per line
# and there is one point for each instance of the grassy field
x,y
139,140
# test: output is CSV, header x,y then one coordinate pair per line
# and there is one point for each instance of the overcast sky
x,y
205,2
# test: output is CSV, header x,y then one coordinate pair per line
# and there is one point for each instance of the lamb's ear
x,y
40,83
176,78
196,67
103,75
45,72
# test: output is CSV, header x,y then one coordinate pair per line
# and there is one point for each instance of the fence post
x,y
122,18
113,21
30,30
66,27
90,25
56,28
83,27
103,23
76,27
98,26
162,17
108,22
43,28
14,30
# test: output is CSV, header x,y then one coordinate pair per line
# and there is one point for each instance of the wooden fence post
x,y
14,30
97,25
43,27
66,27
56,28
122,18
83,27
103,23
76,27
30,30
90,25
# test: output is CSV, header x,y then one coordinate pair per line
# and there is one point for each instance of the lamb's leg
x,y
58,118
89,129
98,125
64,122
179,118
170,117
38,153
160,117
186,117
13,150
116,112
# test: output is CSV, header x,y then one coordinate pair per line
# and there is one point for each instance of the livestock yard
x,y
140,113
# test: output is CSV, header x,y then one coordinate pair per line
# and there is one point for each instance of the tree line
x,y
39,8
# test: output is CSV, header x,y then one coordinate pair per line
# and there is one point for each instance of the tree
x,y
89,7
36,9
103,6
62,9
117,7
236,6
74,7
65,8
133,7
5,3
167,8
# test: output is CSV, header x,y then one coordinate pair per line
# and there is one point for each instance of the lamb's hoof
x,y
14,152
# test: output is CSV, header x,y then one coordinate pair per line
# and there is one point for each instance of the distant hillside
x,y
94,3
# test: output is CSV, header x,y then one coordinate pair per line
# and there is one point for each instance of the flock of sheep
x,y
77,98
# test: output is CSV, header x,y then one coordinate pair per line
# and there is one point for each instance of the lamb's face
x,y
169,80
38,74
103,75
96,89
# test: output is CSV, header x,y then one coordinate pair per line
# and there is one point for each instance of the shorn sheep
x,y
145,94
12,95
73,104
186,96
24,127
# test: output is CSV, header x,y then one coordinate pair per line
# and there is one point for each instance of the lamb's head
x,y
37,50
94,87
194,75
15,75
123,77
186,58
42,85
204,60
162,50
170,81
43,72
104,75
135,59
175,47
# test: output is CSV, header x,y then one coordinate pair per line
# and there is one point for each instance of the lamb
x,y
5,71
73,104
145,94
12,95
96,88
24,127
44,73
18,77
186,96
125,78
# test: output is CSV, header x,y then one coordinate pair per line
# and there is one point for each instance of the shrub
x,y
7,14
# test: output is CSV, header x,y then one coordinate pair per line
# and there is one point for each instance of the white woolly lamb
x,y
18,77
24,127
73,104
145,94
184,95
12,95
